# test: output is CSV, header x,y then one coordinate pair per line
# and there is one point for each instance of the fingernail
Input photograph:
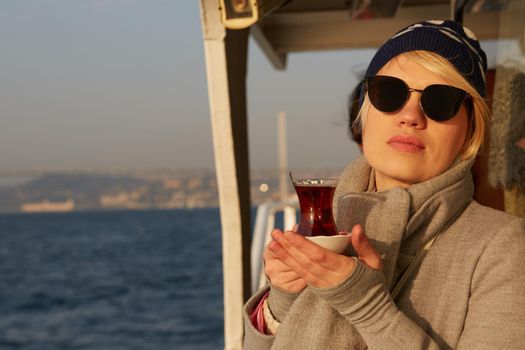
x,y
288,235
274,246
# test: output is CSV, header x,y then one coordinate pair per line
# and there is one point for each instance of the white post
x,y
284,180
226,56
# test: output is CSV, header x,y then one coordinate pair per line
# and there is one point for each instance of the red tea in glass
x,y
315,202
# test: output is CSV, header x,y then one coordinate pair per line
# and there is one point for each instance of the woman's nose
x,y
411,114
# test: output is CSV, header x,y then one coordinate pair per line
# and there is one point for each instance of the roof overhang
x,y
332,24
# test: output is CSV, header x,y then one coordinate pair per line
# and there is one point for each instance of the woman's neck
x,y
384,183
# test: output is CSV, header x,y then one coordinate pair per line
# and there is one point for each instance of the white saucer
x,y
337,243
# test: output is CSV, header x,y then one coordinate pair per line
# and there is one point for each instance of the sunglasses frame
x,y
409,90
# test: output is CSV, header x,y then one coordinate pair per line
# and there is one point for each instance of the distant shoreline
x,y
108,211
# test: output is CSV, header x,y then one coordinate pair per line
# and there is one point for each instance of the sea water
x,y
111,280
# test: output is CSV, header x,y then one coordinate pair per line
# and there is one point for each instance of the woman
x,y
435,270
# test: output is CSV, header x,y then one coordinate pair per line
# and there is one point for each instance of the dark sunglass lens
x,y
442,102
387,94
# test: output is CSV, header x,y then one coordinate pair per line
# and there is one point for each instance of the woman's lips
x,y
405,143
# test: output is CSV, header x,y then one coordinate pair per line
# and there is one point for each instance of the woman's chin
x,y
394,176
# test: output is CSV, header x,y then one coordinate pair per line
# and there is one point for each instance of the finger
x,y
267,254
307,253
281,254
334,267
276,230
272,261
292,286
284,278
364,249
312,270
300,264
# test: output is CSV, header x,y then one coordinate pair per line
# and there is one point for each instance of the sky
x,y
112,84
121,84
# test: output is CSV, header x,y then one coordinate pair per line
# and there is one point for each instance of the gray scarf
x,y
400,221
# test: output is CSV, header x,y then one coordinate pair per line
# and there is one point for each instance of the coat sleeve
x,y
279,302
253,339
365,302
496,314
496,310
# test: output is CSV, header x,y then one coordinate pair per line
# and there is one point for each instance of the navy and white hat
x,y
449,39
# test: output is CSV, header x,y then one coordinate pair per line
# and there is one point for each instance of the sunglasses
x,y
438,102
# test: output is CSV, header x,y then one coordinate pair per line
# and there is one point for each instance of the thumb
x,y
365,251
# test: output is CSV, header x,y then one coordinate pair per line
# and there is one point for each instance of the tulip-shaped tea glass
x,y
315,202
316,220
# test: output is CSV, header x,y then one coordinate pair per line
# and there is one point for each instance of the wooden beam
x,y
226,56
486,25
313,31
419,13
277,59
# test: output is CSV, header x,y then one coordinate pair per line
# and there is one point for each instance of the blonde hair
x,y
479,111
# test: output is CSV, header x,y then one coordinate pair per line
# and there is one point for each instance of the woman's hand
x,y
281,275
316,266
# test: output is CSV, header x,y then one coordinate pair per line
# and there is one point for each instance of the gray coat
x,y
467,293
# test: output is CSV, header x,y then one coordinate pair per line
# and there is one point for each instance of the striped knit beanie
x,y
449,39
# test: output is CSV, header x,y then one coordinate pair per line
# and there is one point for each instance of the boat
x,y
284,27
